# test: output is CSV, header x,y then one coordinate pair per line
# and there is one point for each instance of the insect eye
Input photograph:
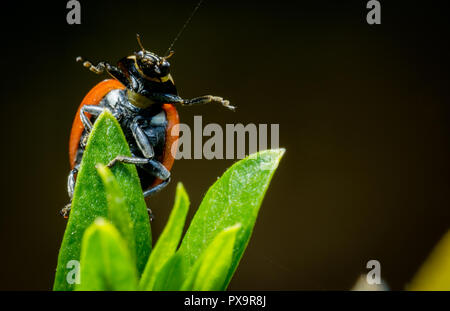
x,y
146,61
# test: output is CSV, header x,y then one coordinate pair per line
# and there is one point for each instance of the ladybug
x,y
141,95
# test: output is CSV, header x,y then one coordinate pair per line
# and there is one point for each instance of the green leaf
x,y
211,269
105,142
235,198
106,263
434,275
117,208
168,240
171,275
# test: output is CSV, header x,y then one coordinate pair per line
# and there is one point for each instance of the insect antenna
x,y
183,27
138,37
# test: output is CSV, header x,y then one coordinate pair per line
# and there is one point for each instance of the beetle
x,y
141,95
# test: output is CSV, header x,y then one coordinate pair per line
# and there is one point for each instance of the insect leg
x,y
156,169
129,160
70,187
101,67
208,99
152,191
174,99
141,139
164,98
157,188
71,182
153,167
91,109
65,211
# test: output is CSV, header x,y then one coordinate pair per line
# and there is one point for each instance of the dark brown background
x,y
363,114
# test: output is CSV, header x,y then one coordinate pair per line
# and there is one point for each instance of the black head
x,y
150,64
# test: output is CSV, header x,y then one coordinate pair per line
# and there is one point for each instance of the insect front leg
x,y
100,68
206,99
103,67
174,99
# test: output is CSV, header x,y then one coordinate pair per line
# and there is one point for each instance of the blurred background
x,y
363,113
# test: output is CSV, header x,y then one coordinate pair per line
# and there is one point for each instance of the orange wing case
x,y
94,97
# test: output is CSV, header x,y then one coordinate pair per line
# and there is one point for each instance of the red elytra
x,y
94,97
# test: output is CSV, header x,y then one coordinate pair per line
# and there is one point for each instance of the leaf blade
x,y
434,274
171,275
117,208
211,269
168,241
105,263
89,201
234,198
